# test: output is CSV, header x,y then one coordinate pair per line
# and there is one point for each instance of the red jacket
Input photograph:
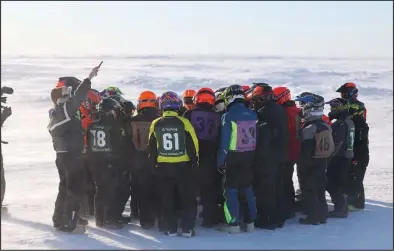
x,y
294,123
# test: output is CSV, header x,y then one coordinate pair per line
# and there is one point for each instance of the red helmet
x,y
204,95
89,103
281,94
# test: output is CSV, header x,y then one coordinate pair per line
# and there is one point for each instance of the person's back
x,y
317,145
235,159
206,123
104,149
173,149
144,188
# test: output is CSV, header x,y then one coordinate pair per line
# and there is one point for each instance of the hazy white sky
x,y
355,29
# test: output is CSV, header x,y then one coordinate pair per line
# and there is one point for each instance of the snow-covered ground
x,y
32,177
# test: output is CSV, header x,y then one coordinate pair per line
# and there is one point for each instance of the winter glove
x,y
94,72
6,112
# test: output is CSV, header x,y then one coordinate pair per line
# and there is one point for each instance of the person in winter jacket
x,y
206,123
142,167
187,101
219,101
343,134
68,141
88,115
104,150
282,96
271,155
360,161
125,188
317,145
235,158
173,149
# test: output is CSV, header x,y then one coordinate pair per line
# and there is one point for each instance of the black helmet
x,y
348,91
109,106
128,107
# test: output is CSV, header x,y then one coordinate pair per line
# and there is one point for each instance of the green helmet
x,y
233,93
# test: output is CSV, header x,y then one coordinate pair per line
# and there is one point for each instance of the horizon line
x,y
175,55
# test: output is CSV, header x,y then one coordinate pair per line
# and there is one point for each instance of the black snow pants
x,y
355,190
106,179
175,182
337,173
210,191
71,193
269,197
122,191
90,189
288,188
147,196
314,192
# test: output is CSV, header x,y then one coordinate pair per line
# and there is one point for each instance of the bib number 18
x,y
170,141
98,138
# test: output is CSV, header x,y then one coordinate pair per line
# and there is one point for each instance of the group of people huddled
x,y
232,151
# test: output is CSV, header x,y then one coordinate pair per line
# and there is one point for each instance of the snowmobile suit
x,y
173,148
235,158
317,145
104,149
343,134
123,190
270,163
206,123
68,142
90,188
143,168
360,161
294,127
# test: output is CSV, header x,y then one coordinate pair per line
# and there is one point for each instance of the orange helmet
x,y
147,99
281,94
204,95
188,98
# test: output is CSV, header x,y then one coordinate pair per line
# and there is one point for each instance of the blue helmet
x,y
170,101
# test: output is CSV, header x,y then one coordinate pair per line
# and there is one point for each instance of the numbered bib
x,y
171,141
140,132
100,139
324,144
206,124
246,136
350,139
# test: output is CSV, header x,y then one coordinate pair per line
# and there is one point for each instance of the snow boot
x,y
308,221
171,233
189,233
247,227
230,228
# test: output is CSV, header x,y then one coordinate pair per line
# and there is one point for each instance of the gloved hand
x,y
94,72
6,112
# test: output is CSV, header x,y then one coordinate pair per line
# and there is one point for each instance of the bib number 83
x,y
170,141
98,138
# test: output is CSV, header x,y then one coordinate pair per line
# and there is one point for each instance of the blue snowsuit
x,y
235,159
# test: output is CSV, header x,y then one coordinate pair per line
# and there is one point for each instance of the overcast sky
x,y
332,29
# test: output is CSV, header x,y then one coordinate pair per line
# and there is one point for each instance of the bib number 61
x,y
170,141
